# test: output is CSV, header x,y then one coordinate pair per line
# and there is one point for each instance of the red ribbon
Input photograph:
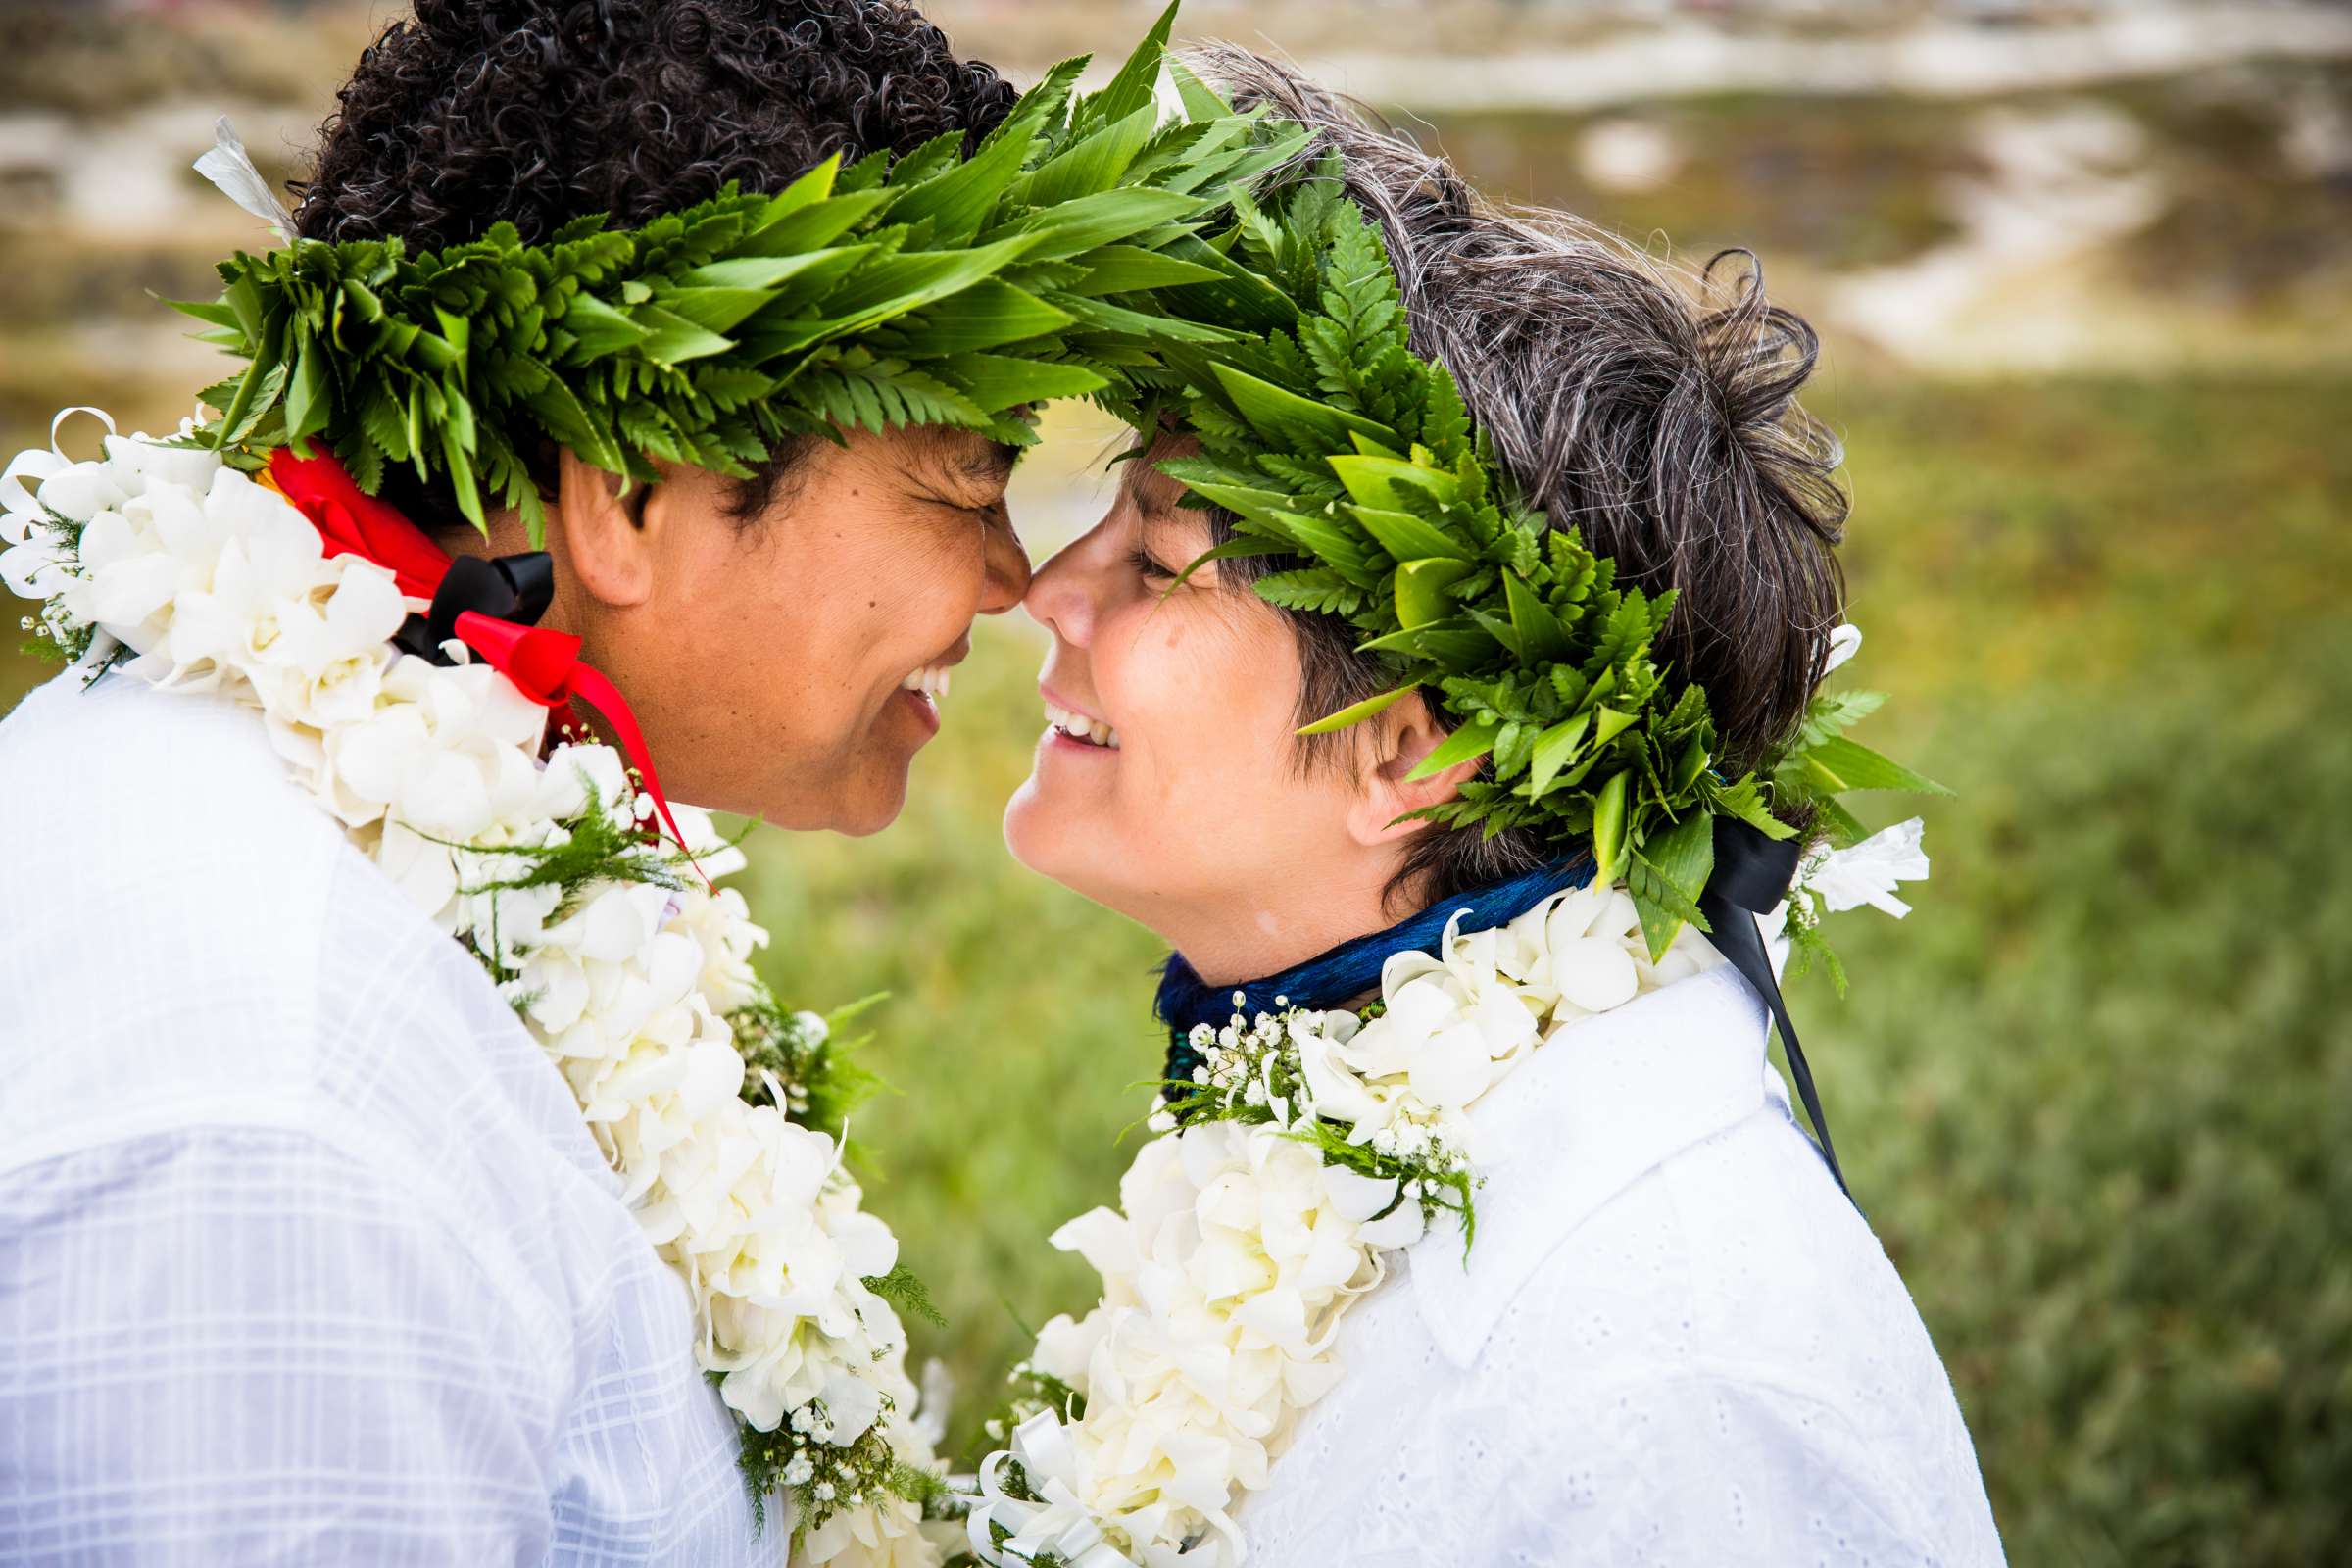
x,y
353,522
543,664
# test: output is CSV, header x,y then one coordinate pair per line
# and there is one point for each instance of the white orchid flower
x,y
1845,641
1867,872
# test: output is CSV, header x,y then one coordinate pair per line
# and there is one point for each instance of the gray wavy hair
x,y
1656,410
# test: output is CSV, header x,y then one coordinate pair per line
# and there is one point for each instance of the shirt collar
x,y
1587,1115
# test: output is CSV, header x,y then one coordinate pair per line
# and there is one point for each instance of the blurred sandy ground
x,y
1960,188
1965,188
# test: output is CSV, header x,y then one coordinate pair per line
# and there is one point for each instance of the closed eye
x,y
1149,565
991,513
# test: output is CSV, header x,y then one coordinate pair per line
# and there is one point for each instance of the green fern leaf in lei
x,y
894,291
1326,438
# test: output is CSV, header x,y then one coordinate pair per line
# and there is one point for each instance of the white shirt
x,y
306,1255
1674,1342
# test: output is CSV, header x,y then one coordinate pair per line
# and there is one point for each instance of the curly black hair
x,y
537,112
540,111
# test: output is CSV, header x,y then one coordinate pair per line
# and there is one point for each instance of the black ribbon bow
x,y
516,588
1753,873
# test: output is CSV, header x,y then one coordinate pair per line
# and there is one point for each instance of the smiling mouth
x,y
932,680
1080,728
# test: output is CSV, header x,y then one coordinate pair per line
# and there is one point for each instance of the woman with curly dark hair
x,y
307,1253
713,603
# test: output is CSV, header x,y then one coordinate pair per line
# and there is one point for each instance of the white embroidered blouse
x,y
1675,1341
306,1254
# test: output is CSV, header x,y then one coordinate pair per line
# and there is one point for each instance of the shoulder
x,y
1671,1279
1644,1170
206,949
177,893
1728,1335
136,807
1735,1255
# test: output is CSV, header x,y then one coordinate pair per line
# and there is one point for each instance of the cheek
x,y
826,620
903,600
755,628
1208,695
938,580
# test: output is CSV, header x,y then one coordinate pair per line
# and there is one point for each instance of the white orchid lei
x,y
1310,1146
719,1111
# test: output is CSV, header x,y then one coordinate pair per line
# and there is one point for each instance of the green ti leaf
x,y
1838,765
1466,744
1670,872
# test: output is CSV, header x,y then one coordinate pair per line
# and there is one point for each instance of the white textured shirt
x,y
306,1255
1674,1341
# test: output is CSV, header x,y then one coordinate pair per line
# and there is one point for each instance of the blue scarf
x,y
1335,978
1752,872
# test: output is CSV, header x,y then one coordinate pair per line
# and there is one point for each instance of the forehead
x,y
960,457
1154,491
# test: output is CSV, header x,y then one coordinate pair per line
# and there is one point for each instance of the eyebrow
x,y
1154,495
1156,492
987,462
946,468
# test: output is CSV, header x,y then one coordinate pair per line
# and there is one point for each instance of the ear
x,y
1399,738
608,542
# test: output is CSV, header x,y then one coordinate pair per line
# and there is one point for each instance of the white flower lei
x,y
162,562
1313,1146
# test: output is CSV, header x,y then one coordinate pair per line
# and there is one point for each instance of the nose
x,y
1057,598
1005,565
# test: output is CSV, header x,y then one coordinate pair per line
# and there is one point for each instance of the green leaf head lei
x,y
929,288
1096,246
1340,451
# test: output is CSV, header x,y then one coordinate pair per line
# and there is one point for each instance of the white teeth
x,y
933,680
1078,726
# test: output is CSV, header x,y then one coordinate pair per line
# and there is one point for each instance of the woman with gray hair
x,y
1670,1337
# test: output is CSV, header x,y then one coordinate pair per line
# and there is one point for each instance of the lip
x,y
956,654
924,709
1055,740
922,704
1049,694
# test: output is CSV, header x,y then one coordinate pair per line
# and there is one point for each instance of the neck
x,y
508,536
1286,922
1348,970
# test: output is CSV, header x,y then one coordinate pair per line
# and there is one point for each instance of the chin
x,y
1029,829
1039,833
852,805
863,814
1051,842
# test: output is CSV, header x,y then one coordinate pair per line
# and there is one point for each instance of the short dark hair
x,y
536,112
1663,427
